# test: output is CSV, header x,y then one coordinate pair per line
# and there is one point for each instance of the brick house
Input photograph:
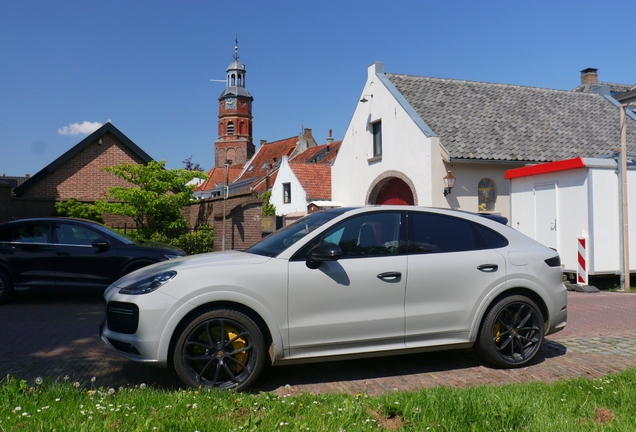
x,y
75,174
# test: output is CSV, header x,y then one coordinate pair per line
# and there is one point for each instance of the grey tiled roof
x,y
614,88
477,120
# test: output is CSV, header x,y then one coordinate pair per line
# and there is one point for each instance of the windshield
x,y
277,242
119,236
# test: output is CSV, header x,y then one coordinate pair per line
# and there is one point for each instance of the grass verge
x,y
571,405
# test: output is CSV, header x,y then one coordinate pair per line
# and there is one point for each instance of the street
x,y
56,334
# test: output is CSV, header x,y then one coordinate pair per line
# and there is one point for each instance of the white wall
x,y
409,147
405,148
464,195
587,205
298,194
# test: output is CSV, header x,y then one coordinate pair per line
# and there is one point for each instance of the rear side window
x,y
435,233
493,239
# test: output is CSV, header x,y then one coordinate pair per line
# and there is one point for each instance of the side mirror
x,y
323,252
101,244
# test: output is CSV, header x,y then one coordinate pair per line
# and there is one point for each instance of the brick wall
x,y
243,224
81,176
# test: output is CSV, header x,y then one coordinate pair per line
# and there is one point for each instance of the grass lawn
x,y
572,405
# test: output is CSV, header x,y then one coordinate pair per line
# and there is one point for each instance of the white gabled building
x,y
408,131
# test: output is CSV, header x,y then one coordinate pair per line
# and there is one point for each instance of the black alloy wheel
x,y
511,334
221,349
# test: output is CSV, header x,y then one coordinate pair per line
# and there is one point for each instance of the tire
x,y
221,349
6,287
511,333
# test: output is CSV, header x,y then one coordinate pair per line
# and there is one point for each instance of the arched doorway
x,y
395,191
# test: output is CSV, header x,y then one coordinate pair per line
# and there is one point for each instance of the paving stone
x,y
56,335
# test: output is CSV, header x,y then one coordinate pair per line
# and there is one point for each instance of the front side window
x,y
286,193
377,138
75,235
369,235
487,195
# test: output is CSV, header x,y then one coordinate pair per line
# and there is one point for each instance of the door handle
x,y
390,276
488,268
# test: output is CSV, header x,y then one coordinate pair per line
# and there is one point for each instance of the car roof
x,y
49,219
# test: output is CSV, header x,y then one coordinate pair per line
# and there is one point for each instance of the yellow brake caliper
x,y
238,344
497,332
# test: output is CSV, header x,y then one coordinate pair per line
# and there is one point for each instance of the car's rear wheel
x,y
6,287
511,333
222,349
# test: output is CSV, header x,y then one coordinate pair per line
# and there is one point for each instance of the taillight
x,y
554,261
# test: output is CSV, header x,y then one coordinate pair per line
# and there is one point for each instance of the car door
x,y
78,262
451,268
28,251
357,302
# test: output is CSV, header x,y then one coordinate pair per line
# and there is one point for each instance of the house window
x,y
230,128
487,195
377,138
286,193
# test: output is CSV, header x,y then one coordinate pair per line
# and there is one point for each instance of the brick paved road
x,y
55,335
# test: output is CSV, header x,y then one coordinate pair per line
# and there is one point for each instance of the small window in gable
x,y
487,195
377,138
230,128
286,193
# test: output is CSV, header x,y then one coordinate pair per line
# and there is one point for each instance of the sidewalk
x,y
56,335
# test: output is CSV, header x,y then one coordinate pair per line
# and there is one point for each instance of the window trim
x,y
287,199
376,139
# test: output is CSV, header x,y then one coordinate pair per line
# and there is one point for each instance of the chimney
x,y
307,133
330,139
589,76
263,141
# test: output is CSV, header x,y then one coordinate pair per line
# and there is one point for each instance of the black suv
x,y
70,253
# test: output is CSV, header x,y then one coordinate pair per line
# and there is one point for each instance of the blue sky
x,y
146,66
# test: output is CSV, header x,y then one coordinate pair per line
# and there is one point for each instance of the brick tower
x,y
235,118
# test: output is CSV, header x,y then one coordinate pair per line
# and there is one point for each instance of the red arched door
x,y
395,191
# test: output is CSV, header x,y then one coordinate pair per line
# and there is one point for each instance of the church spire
x,y
235,117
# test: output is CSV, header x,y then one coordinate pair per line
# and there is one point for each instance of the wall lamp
x,y
449,182
364,98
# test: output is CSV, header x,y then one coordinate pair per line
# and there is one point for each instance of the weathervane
x,y
236,54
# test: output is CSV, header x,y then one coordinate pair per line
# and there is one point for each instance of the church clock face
x,y
230,103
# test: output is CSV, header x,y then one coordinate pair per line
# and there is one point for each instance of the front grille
x,y
122,317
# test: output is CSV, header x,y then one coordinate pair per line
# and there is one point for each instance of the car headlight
x,y
149,284
172,256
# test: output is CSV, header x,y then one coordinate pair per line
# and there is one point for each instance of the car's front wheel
x,y
6,287
511,333
222,349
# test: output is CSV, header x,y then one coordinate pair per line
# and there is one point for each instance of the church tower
x,y
235,118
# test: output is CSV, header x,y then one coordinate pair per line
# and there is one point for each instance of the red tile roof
x,y
315,179
322,154
217,175
269,154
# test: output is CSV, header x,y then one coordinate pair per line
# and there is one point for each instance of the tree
x,y
269,209
77,209
154,201
191,166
